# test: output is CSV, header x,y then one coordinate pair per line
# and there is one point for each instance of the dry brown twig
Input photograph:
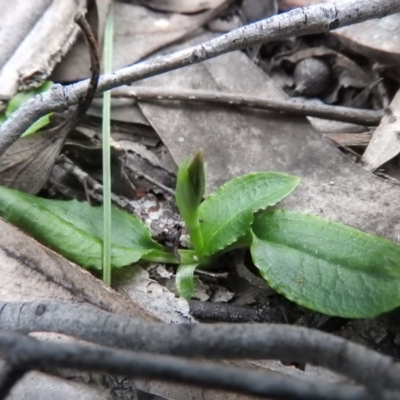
x,y
310,20
23,353
216,341
289,106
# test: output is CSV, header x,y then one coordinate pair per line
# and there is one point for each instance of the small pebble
x,y
311,76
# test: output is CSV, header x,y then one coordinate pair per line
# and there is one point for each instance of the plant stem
x,y
188,256
108,47
160,256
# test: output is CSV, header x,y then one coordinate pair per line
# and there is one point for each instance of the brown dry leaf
x,y
89,158
21,14
27,163
40,386
385,142
350,139
42,47
138,32
255,10
376,39
237,141
182,6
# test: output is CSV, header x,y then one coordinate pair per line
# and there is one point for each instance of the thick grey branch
x,y
24,353
217,341
302,21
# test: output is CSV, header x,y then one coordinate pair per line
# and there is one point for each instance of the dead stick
x,y
216,341
91,42
73,119
289,106
23,353
301,21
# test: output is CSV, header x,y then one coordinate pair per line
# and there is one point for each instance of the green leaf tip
x,y
197,176
326,266
227,214
189,193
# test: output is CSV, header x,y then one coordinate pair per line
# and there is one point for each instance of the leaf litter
x,y
238,141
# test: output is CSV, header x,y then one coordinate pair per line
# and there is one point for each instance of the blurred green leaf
x,y
19,99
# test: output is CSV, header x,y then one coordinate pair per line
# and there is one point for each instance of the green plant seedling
x,y
319,264
19,99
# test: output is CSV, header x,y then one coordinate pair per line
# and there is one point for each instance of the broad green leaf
x,y
227,214
327,266
185,280
75,229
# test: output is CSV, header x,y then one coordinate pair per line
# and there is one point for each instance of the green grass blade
x,y
108,56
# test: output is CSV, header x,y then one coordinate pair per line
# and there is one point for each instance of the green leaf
x,y
227,214
75,229
40,123
185,280
327,266
21,97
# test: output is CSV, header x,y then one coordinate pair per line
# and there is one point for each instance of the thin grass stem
x,y
106,128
